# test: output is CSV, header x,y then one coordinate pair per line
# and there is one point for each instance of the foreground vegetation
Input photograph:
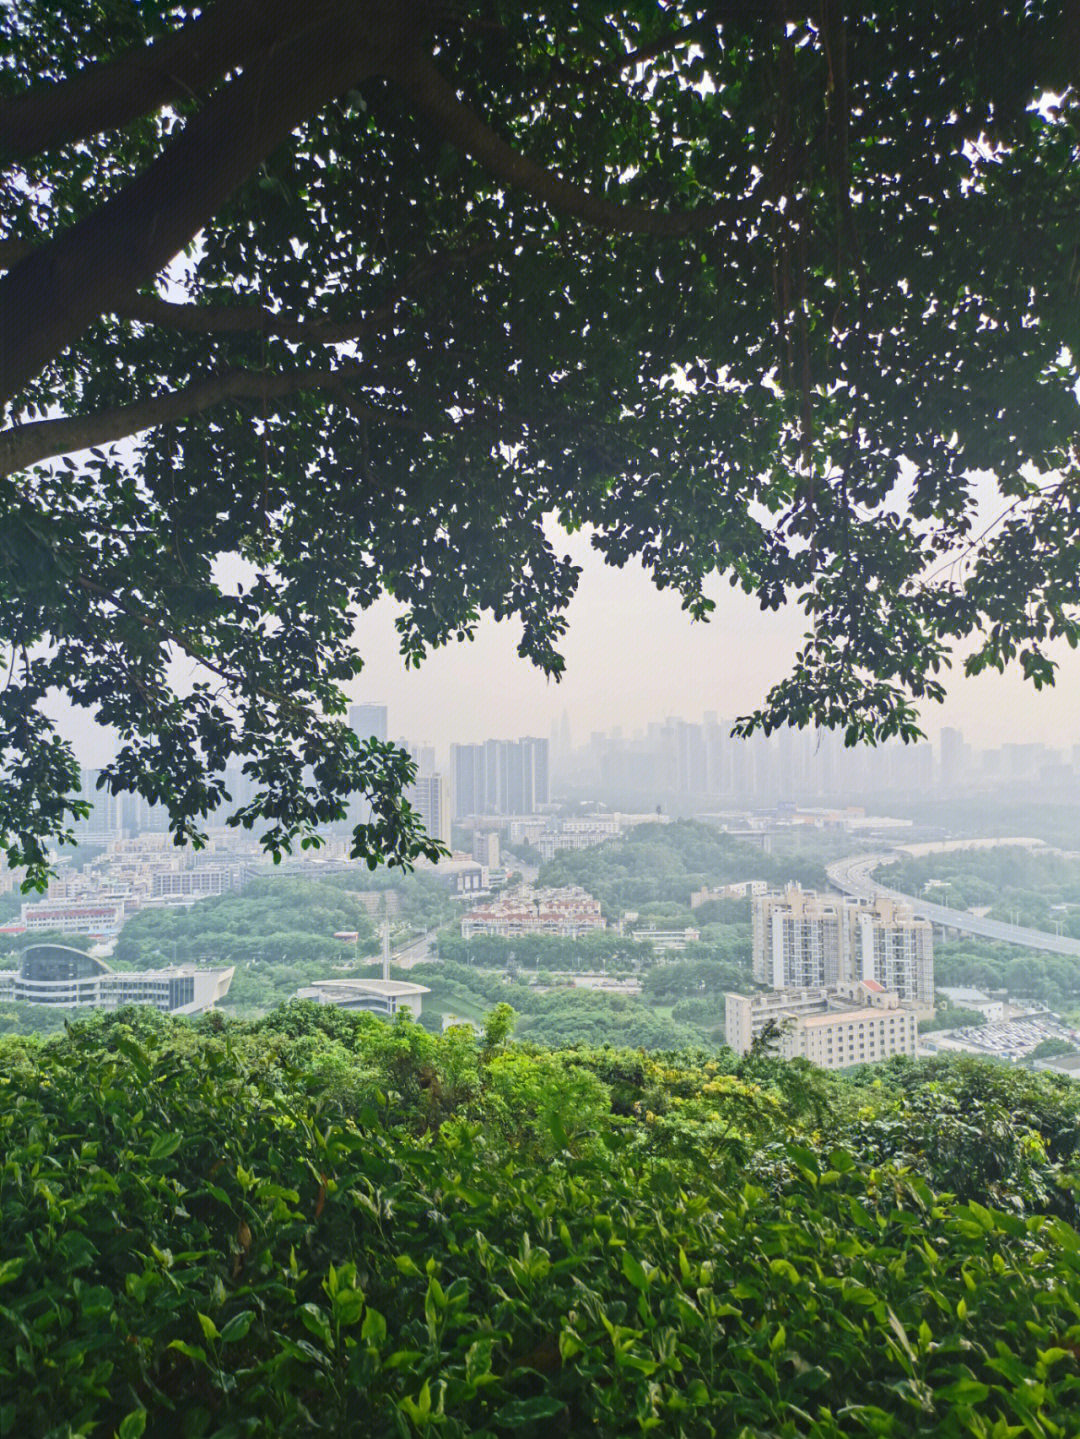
x,y
321,1223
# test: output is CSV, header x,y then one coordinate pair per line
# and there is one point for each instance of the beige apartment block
x,y
889,944
858,1023
802,939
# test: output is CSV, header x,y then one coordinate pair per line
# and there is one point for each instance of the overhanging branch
x,y
113,93
248,319
463,127
47,300
24,445
253,319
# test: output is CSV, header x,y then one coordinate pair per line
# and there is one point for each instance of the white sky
x,y
633,656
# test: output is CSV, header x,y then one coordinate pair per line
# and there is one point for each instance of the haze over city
x,y
634,657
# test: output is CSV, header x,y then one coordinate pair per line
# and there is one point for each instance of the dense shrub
x,y
322,1224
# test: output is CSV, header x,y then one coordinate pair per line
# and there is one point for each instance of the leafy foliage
x,y
322,1223
655,863
746,290
275,921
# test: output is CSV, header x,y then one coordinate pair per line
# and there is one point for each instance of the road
x,y
416,952
854,876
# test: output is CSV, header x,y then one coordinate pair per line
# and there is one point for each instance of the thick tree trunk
x,y
112,93
48,299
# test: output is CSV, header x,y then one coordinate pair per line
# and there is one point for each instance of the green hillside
x,y
319,1223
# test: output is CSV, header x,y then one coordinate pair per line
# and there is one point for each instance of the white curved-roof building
x,y
57,974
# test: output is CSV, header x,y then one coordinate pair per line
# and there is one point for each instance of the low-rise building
x,y
575,834
665,940
192,884
961,997
55,974
832,1026
98,917
383,997
1066,1064
569,912
459,873
740,889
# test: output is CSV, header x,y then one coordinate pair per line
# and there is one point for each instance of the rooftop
x,y
843,1016
387,988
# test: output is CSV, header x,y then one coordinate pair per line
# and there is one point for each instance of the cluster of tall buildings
x,y
500,777
701,763
682,762
802,939
846,980
497,777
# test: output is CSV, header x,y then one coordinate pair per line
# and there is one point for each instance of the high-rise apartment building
x,y
429,795
802,939
890,945
500,776
467,779
368,721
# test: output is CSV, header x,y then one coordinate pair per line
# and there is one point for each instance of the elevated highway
x,y
854,876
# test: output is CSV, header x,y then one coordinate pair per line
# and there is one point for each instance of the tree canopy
x,y
376,287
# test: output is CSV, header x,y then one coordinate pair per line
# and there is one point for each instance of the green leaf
x,y
191,1350
316,1322
528,1411
633,1271
238,1326
10,1269
373,1330
132,1425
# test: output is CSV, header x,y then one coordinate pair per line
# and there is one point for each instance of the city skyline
x,y
633,658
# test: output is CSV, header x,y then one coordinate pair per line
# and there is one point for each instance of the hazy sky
x,y
632,656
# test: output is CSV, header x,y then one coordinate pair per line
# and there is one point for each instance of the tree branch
x,y
461,126
25,445
48,299
248,319
12,251
113,93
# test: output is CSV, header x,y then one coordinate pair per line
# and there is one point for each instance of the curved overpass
x,y
854,876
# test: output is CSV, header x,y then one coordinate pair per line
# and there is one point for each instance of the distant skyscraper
x,y
368,721
535,773
501,776
467,779
952,756
429,795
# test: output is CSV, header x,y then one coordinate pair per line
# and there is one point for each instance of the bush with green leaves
x,y
323,1224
